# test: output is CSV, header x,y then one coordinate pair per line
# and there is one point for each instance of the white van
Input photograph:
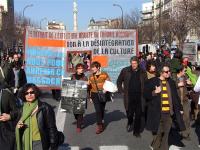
x,y
147,47
192,51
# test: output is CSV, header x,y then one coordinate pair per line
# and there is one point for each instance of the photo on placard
x,y
76,57
74,95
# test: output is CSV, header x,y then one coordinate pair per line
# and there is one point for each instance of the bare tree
x,y
20,24
195,15
167,30
195,12
131,21
116,23
12,29
179,21
147,33
7,31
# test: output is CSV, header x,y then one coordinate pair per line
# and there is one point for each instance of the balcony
x,y
147,11
147,17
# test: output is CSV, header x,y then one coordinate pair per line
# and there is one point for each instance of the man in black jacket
x,y
7,76
8,118
131,82
164,103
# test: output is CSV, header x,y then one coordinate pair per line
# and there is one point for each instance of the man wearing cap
x,y
130,83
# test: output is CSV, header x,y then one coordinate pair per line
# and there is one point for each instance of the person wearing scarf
x,y
28,121
36,128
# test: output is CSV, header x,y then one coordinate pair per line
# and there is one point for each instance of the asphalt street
x,y
115,136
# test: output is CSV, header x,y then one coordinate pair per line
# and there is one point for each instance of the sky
x,y
62,10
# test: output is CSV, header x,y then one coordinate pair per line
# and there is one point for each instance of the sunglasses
x,y
166,71
31,92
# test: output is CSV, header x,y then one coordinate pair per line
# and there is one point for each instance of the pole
x,y
30,5
75,12
160,11
122,14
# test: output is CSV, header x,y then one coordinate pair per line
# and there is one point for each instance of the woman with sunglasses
x,y
79,75
36,128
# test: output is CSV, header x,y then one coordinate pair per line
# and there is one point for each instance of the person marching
x,y
181,82
130,82
165,104
79,75
36,128
8,108
96,81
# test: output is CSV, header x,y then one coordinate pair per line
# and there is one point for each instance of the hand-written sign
x,y
44,66
53,54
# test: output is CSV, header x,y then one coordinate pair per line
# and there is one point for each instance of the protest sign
x,y
52,55
74,96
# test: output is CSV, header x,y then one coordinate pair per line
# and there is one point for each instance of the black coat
x,y
7,129
22,78
47,126
154,104
123,83
9,80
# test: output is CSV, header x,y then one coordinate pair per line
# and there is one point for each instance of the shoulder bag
x,y
103,97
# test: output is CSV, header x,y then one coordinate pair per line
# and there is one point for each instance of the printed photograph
x,y
76,57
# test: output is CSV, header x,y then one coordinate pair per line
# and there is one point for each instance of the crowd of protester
x,y
160,92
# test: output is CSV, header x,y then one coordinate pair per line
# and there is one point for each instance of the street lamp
x,y
41,22
122,13
23,23
30,5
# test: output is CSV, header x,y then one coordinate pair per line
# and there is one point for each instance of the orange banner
x,y
103,60
46,42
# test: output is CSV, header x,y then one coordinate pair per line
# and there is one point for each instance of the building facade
x,y
104,24
147,13
55,26
7,36
166,9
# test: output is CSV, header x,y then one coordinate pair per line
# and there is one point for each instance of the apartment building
x,y
167,9
147,13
